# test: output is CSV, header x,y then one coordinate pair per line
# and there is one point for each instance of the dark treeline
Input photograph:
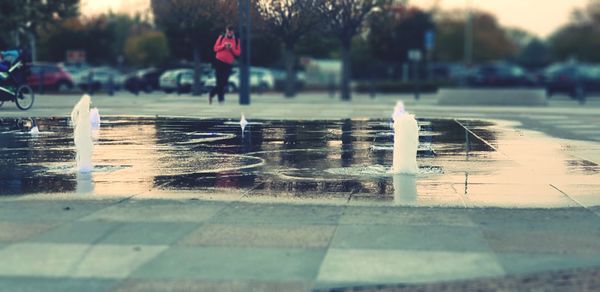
x,y
373,35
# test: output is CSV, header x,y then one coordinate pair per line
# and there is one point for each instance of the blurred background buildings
x,y
386,47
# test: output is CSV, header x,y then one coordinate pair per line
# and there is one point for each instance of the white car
x,y
187,79
168,80
260,78
100,78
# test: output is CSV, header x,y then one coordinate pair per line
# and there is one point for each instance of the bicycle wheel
x,y
24,97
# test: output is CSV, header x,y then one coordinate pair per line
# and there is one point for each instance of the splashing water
x,y
243,123
95,123
406,141
82,132
405,189
95,118
34,131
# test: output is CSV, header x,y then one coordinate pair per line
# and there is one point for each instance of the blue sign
x,y
429,40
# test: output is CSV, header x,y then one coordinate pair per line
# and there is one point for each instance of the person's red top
x,y
225,54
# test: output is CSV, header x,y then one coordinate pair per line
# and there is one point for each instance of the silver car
x,y
168,80
99,78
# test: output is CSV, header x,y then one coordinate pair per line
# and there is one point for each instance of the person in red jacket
x,y
226,48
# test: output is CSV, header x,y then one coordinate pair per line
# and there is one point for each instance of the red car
x,y
52,76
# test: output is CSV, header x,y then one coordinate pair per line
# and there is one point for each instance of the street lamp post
x,y
469,34
468,49
245,34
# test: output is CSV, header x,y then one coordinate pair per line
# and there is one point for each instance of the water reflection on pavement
x,y
462,163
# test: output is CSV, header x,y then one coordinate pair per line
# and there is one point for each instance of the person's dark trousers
x,y
222,71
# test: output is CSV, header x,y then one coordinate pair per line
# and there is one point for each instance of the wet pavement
x,y
302,200
463,163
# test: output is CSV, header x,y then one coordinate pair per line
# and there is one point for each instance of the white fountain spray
x,y
95,123
82,132
34,130
405,189
406,141
243,123
95,118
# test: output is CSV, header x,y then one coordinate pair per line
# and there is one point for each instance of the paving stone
x,y
225,286
74,260
525,263
42,260
274,235
563,219
47,210
78,232
153,233
221,263
543,242
20,231
406,216
158,211
279,214
347,267
516,196
391,237
36,284
453,201
572,231
559,281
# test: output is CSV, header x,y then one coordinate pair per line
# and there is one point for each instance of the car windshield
x,y
516,71
169,74
560,69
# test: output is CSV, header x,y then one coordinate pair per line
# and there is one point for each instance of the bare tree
x,y
290,20
193,22
346,19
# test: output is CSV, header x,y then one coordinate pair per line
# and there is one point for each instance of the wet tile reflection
x,y
345,160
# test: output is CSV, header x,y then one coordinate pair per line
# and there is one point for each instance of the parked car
x,y
279,77
74,69
260,78
146,80
51,76
569,78
500,75
187,80
99,78
449,71
168,80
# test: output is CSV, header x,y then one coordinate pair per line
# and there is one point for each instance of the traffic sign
x,y
429,40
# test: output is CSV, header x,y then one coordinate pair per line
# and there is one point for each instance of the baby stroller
x,y
13,85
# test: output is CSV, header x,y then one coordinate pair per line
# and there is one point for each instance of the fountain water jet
x,y
406,141
34,130
95,123
82,132
85,183
405,189
95,118
243,123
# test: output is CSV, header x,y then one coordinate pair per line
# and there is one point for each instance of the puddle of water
x,y
299,157
50,169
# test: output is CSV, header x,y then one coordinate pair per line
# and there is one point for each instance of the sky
x,y
541,17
